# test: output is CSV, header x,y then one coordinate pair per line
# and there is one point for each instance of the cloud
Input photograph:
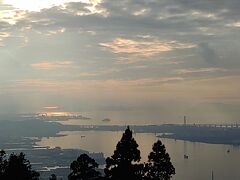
x,y
38,5
12,16
54,32
208,53
108,84
47,65
140,49
224,89
234,24
88,74
200,70
3,35
51,107
143,48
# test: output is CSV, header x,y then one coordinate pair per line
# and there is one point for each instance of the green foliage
x,y
16,167
120,164
84,168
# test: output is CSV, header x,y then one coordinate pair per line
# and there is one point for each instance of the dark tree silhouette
x,y
53,177
159,166
3,163
18,168
84,168
123,163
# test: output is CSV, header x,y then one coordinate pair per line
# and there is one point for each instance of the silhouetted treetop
x,y
16,167
120,164
84,168
159,166
3,163
53,177
126,150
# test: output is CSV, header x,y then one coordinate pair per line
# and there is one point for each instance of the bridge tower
x,y
185,121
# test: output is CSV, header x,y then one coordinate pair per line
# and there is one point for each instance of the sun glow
x,y
58,114
55,114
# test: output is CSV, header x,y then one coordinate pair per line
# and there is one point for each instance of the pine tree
x,y
84,168
121,164
19,168
159,166
3,163
53,177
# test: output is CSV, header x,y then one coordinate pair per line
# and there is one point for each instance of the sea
x,y
204,160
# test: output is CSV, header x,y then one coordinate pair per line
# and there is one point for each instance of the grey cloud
x,y
198,22
208,54
163,15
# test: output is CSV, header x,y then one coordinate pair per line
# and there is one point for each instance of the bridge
x,y
222,125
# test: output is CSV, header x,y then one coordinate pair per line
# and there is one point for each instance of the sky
x,y
146,61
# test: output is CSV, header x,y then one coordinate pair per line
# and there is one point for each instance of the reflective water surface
x,y
203,158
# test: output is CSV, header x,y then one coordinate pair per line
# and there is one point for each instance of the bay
x,y
203,158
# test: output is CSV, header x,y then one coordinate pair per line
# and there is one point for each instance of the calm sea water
x,y
203,158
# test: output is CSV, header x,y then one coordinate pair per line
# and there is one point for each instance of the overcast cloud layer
x,y
149,61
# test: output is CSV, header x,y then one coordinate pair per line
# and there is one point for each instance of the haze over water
x,y
203,158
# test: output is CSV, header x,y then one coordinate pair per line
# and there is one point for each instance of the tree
x,y
19,168
53,177
120,164
159,166
84,168
3,163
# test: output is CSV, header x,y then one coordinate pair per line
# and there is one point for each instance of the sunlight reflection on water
x,y
203,158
